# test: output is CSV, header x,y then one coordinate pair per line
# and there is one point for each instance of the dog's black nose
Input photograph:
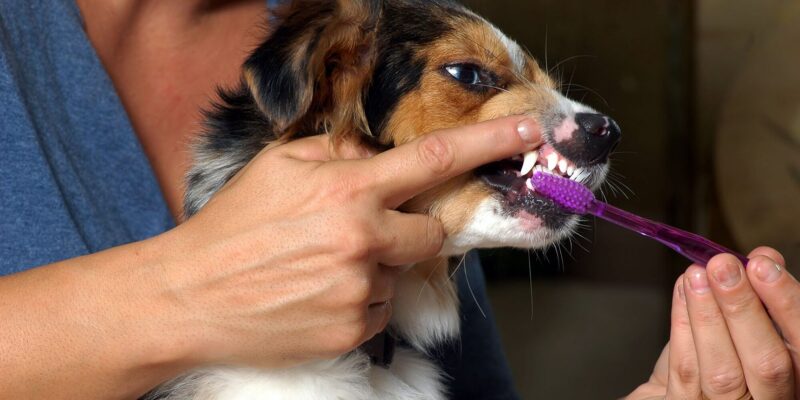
x,y
600,133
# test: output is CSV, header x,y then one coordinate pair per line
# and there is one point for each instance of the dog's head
x,y
387,72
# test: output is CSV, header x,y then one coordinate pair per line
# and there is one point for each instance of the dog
x,y
382,73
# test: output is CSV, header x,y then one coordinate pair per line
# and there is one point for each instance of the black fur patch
x,y
236,122
406,27
240,125
281,84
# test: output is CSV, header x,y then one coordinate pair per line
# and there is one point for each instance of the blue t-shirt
x,y
74,179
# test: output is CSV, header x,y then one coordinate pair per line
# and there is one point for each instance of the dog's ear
x,y
309,76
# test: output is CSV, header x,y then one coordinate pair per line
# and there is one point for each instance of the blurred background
x,y
707,93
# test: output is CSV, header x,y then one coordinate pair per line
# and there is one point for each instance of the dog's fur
x,y
384,73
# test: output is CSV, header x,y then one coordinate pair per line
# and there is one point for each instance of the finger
x,y
721,374
321,148
409,238
384,283
378,316
683,379
780,293
765,360
407,170
770,253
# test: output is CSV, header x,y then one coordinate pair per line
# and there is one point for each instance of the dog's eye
x,y
474,77
468,74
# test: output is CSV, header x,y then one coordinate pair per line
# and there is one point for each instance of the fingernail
x,y
681,293
528,131
768,271
728,275
698,281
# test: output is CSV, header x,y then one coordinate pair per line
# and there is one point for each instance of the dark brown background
x,y
600,312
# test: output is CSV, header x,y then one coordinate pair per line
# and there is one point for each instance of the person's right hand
x,y
735,333
292,259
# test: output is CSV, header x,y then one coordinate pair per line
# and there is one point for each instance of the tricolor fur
x,y
384,73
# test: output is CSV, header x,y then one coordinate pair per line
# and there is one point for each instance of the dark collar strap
x,y
380,349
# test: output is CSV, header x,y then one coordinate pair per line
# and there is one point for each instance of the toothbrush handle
x,y
692,246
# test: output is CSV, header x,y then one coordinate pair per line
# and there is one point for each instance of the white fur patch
x,y
422,314
515,52
351,377
490,227
570,107
410,377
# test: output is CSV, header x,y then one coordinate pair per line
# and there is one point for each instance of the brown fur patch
x,y
441,103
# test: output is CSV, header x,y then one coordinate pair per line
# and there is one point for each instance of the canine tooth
x,y
529,184
552,161
570,170
562,166
530,161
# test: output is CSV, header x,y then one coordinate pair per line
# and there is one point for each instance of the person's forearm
x,y
85,328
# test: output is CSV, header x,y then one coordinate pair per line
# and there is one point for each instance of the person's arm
x,y
735,333
269,273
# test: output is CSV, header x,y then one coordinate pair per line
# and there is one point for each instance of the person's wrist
x,y
139,318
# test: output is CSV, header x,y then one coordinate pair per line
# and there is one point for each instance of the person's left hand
x,y
724,344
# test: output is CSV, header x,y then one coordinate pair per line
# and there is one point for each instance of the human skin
x,y
166,59
269,273
723,338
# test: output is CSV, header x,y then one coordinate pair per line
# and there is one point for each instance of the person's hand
x,y
735,333
293,259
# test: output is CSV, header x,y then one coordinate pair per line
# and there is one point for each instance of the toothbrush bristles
x,y
570,195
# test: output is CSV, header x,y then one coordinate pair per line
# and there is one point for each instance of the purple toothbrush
x,y
578,199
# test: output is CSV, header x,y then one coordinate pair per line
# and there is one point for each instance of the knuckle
x,y
775,368
739,307
436,153
725,381
706,317
687,372
359,290
435,235
681,324
356,241
341,187
786,303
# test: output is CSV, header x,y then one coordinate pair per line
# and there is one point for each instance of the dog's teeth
x,y
581,174
552,161
570,170
577,175
530,161
529,184
562,166
538,168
